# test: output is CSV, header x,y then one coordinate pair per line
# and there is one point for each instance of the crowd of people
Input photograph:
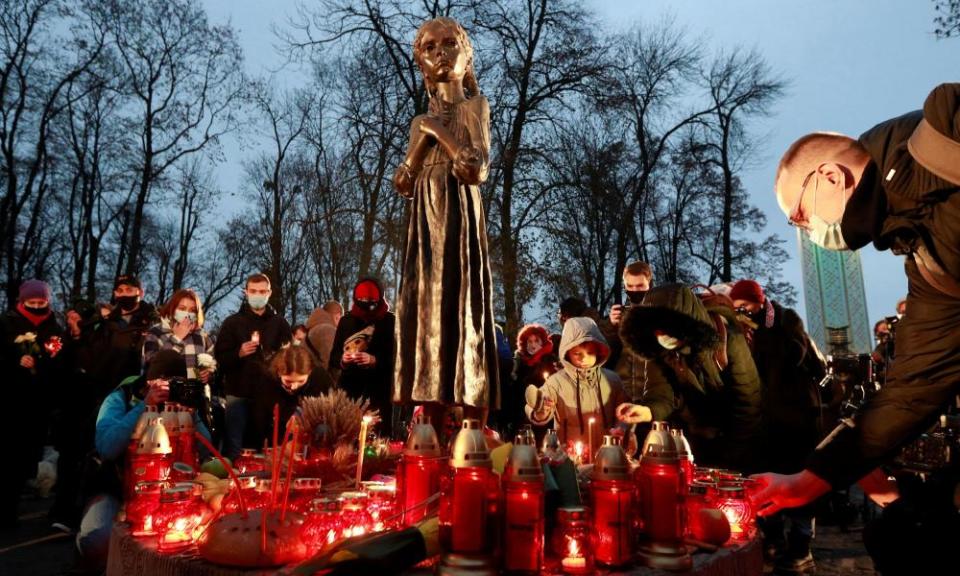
x,y
723,364
731,367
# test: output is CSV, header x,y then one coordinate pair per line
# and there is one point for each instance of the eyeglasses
x,y
794,219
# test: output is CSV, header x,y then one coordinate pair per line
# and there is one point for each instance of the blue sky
x,y
850,64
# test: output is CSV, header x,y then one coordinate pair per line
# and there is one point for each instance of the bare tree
x,y
947,20
741,87
184,81
38,65
545,51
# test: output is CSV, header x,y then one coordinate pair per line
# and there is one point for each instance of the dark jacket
x,y
899,205
241,375
376,383
270,392
720,410
117,343
790,368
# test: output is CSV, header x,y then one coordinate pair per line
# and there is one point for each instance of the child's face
x,y
584,356
443,58
534,344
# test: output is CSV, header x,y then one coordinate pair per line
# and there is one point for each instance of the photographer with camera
x,y
637,279
115,424
897,187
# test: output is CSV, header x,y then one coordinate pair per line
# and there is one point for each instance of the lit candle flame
x,y
573,549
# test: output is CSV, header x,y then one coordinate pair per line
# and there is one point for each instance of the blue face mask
x,y
181,315
257,302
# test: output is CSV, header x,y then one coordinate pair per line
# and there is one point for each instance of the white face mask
x,y
181,315
824,234
668,341
828,236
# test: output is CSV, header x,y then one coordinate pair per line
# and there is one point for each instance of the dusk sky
x,y
850,64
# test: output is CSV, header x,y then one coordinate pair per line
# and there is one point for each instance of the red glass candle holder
x,y
142,507
469,495
147,468
355,519
697,499
302,492
661,484
418,472
322,526
733,502
523,510
383,507
573,529
247,487
614,503
181,512
250,462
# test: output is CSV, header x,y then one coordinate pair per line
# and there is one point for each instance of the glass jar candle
x,y
302,492
355,517
614,502
142,507
181,511
322,526
573,529
418,472
384,511
733,502
469,495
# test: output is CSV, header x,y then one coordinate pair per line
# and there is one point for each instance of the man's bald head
x,y
808,155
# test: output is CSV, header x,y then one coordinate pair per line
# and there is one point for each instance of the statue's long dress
x,y
446,346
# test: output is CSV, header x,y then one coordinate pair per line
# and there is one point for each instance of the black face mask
x,y
38,310
369,306
127,302
635,296
757,317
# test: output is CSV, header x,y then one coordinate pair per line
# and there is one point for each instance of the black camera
x,y
188,392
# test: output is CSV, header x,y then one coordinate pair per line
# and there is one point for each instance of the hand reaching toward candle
x,y
634,413
779,491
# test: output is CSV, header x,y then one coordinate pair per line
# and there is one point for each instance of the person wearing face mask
x,y
362,355
291,375
246,341
118,341
700,375
895,186
637,279
790,369
181,329
582,391
31,368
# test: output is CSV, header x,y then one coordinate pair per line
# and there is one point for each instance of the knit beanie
x,y
747,290
34,289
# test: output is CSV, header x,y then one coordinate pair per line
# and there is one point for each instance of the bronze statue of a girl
x,y
446,347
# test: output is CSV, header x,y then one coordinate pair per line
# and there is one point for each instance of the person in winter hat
x,y
582,391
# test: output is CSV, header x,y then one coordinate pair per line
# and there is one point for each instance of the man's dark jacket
x,y
899,205
116,345
242,375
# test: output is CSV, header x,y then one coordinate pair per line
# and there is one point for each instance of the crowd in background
x,y
727,364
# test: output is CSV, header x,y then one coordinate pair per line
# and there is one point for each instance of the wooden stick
x,y
286,488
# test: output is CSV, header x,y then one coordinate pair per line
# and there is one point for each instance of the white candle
x,y
590,450
364,422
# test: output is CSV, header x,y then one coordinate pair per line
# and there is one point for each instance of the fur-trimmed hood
x,y
675,310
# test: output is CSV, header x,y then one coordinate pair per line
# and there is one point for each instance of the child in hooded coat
x,y
584,389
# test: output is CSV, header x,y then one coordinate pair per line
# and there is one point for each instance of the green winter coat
x,y
719,408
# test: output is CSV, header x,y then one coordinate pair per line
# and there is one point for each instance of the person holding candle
x,y
31,368
534,361
246,341
897,187
362,355
703,380
584,389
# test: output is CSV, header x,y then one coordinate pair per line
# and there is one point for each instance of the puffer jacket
x,y
718,407
579,394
